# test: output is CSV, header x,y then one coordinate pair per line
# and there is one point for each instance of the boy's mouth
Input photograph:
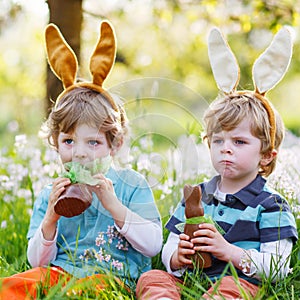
x,y
226,162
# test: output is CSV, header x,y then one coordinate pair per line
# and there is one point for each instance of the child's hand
x,y
51,218
185,248
105,192
58,187
213,242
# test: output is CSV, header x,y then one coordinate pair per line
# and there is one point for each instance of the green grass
x,y
24,170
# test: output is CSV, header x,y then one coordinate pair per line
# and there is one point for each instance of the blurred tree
x,y
167,37
67,15
158,38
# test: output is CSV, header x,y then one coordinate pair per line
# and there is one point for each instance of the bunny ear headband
x,y
64,65
267,70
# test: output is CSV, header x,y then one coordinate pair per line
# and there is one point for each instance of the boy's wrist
x,y
233,254
245,262
48,229
118,212
174,262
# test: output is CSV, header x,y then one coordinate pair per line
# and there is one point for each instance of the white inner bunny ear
x,y
224,66
272,64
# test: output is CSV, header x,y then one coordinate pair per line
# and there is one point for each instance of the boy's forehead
x,y
244,126
85,129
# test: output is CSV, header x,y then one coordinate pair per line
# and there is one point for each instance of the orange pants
x,y
24,286
156,284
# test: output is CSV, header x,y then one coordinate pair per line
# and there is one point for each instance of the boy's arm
x,y
168,250
144,235
272,260
40,251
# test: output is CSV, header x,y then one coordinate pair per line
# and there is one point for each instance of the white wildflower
x,y
4,224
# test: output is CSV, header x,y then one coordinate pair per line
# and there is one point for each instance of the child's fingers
x,y
184,254
184,236
103,182
186,245
59,185
185,261
203,233
99,176
61,182
208,226
100,184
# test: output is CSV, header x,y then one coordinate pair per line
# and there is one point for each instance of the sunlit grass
x,y
28,166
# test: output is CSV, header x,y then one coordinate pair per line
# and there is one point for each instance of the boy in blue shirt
x,y
120,230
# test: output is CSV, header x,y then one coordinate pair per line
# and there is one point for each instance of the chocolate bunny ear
x,y
273,63
224,65
61,57
63,61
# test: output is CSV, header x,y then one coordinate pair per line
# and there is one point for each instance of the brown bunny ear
x,y
104,54
63,61
61,57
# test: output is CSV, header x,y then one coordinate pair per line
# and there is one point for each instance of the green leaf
x,y
199,220
78,173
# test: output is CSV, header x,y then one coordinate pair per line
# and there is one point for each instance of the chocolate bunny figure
x,y
74,200
193,208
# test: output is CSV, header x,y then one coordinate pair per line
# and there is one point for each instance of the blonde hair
x,y
85,106
226,112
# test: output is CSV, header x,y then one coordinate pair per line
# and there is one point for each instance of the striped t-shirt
x,y
254,215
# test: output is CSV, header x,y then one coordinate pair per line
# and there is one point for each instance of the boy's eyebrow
x,y
66,134
239,136
242,137
217,135
95,137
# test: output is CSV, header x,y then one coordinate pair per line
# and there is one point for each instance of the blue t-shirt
x,y
254,215
89,243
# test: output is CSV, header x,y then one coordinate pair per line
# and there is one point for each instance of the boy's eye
x,y
240,142
94,143
217,141
68,141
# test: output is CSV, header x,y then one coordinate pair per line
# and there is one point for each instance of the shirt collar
x,y
245,195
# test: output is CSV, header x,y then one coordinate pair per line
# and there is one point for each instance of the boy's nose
x,y
79,152
226,149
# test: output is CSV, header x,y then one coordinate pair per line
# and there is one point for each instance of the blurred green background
x,y
162,55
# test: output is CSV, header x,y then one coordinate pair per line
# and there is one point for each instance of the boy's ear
x,y
117,144
268,157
